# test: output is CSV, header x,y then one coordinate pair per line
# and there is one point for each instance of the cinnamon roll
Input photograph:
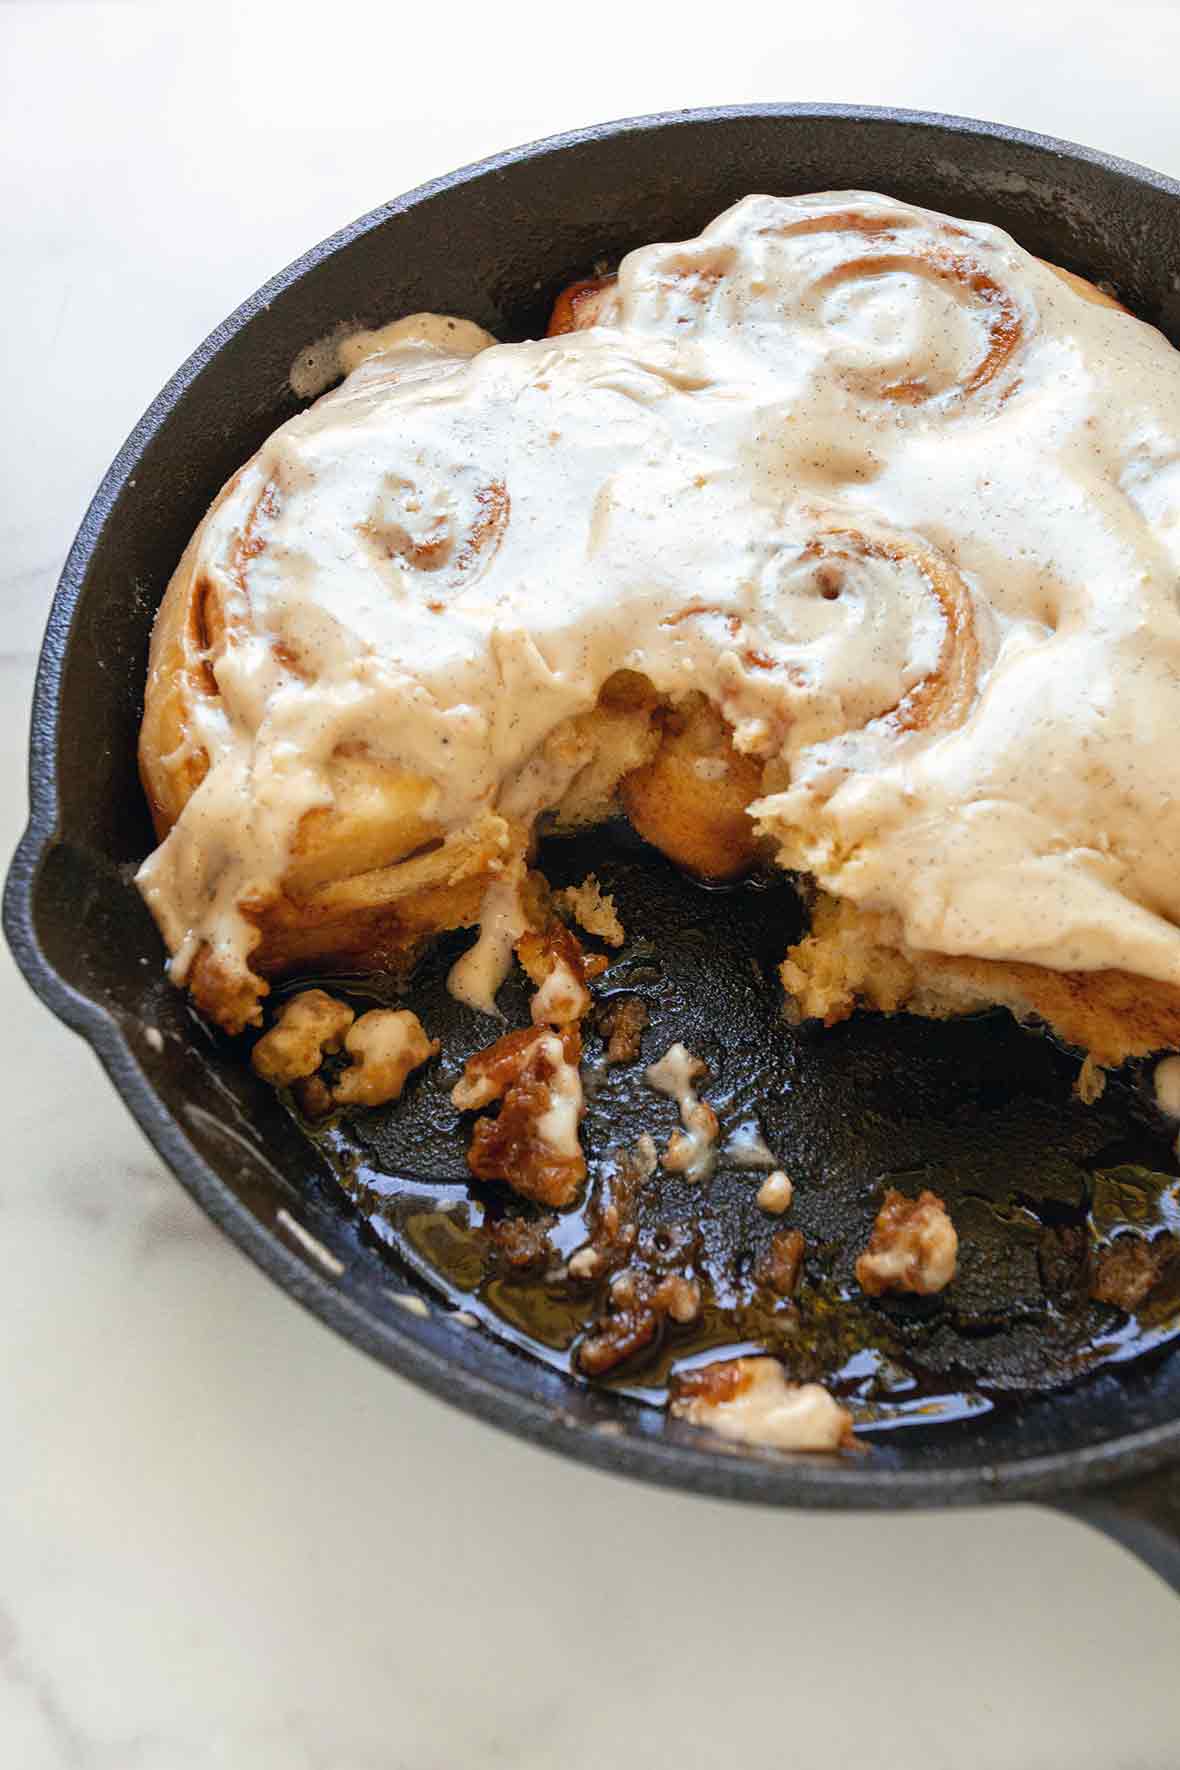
x,y
846,534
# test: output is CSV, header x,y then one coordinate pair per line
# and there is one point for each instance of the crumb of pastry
x,y
309,1026
775,1193
621,1022
1090,1084
532,1144
913,1247
592,909
1166,1084
750,1401
385,1046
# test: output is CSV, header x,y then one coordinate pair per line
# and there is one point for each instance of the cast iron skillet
x,y
495,242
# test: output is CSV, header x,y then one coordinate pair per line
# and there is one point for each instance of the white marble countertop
x,y
226,1539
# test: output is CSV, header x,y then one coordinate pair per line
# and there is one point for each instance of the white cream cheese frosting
x,y
897,499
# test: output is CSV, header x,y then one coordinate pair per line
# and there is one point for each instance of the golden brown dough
x,y
856,958
579,305
690,800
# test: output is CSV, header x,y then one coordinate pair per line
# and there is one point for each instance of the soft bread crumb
x,y
592,909
1091,1081
1166,1082
844,962
700,823
309,1025
383,1046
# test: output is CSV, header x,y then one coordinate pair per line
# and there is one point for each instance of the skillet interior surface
x,y
979,1109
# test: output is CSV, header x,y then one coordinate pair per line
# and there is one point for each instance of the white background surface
x,y
225,1538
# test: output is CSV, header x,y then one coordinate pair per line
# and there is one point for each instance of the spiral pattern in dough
x,y
902,307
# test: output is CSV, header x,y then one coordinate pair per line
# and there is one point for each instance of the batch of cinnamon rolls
x,y
843,537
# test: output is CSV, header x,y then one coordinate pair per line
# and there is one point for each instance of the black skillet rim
x,y
800,1482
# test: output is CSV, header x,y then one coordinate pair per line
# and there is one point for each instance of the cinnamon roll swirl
x,y
846,534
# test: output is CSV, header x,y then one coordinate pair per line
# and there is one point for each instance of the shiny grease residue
x,y
978,1111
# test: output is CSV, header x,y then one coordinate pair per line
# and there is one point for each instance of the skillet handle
x,y
1142,1512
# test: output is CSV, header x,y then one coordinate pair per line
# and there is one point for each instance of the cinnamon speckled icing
x,y
901,502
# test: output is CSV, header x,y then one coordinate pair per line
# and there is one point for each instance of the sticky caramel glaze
x,y
894,500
